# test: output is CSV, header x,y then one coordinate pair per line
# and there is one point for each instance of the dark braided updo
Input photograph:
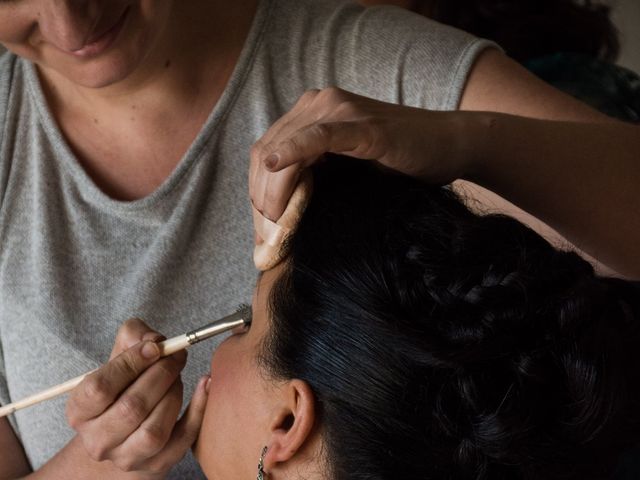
x,y
445,345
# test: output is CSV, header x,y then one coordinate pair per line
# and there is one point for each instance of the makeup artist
x,y
125,131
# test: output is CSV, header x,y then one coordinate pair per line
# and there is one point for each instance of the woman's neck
x,y
310,462
119,132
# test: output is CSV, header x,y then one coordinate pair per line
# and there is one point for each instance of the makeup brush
x,y
240,319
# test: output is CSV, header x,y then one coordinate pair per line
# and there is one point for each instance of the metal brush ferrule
x,y
241,318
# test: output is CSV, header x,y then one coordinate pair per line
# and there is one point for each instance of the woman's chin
x,y
99,74
107,68
103,70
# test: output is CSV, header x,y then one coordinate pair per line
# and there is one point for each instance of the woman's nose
x,y
69,24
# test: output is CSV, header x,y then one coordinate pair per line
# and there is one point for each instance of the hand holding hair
x,y
413,141
567,174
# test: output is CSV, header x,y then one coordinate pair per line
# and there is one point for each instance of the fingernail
x,y
207,386
150,350
272,160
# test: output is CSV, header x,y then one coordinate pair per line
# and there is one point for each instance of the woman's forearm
x,y
13,461
72,462
581,179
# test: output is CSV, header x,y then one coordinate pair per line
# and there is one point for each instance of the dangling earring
x,y
261,465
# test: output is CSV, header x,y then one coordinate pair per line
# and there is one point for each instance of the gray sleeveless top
x,y
75,263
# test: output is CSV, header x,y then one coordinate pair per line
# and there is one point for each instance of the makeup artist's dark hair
x,y
529,29
445,345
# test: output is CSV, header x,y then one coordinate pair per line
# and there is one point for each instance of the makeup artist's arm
x,y
13,461
70,463
577,171
586,186
126,415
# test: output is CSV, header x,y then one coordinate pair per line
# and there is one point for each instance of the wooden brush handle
x,y
168,347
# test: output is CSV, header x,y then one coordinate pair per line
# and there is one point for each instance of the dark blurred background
x,y
626,15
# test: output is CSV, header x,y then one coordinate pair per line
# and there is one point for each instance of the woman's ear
x,y
292,423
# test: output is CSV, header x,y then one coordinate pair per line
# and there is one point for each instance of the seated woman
x,y
405,337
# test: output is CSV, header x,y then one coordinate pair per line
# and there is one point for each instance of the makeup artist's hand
x,y
127,411
421,143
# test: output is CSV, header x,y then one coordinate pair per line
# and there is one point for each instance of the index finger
x,y
257,150
132,332
301,105
101,388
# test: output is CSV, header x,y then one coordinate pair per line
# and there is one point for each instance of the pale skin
x,y
113,110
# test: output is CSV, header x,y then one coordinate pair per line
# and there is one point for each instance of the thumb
x,y
187,429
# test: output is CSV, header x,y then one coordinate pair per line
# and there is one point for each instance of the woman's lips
x,y
103,42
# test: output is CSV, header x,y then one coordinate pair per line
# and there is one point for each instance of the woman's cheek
x,y
225,364
234,423
216,429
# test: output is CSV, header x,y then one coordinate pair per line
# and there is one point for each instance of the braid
x,y
445,345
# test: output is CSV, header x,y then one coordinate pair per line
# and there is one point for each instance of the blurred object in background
x,y
571,44
528,29
626,16
612,89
